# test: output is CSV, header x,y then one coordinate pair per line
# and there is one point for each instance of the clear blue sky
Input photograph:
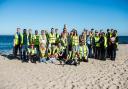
x,y
44,14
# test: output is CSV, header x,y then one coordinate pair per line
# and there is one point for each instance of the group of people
x,y
67,48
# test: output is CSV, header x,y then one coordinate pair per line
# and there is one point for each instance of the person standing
x,y
42,46
17,42
52,37
57,36
30,37
75,41
83,50
25,43
103,45
113,46
90,44
36,42
97,45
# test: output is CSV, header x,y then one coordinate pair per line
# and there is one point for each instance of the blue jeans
x,y
52,60
42,59
76,48
90,55
24,52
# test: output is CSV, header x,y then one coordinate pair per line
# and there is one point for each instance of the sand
x,y
95,74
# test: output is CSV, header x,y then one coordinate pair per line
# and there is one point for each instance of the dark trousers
x,y
38,52
16,49
108,52
112,52
97,52
90,55
102,53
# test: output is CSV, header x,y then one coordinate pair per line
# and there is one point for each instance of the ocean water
x,y
6,43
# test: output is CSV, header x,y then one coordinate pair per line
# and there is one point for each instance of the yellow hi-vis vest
x,y
36,39
83,51
43,52
105,41
31,39
57,38
52,51
31,51
16,39
59,50
97,38
64,42
23,40
52,38
75,40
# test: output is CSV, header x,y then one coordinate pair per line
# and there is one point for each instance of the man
x,y
17,42
57,36
52,37
108,40
36,41
90,44
97,45
25,44
30,37
103,45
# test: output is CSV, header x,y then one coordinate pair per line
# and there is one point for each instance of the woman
x,y
75,41
42,47
113,46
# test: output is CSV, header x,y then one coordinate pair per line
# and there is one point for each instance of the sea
x,y
6,43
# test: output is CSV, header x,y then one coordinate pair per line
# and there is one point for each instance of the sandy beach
x,y
95,74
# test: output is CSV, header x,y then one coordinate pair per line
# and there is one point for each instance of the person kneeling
x,y
42,53
83,52
32,54
73,58
52,54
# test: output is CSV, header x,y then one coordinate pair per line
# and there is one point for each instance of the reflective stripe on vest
x,y
52,38
75,40
83,51
36,39
105,41
97,38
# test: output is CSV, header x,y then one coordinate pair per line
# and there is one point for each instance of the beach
x,y
95,74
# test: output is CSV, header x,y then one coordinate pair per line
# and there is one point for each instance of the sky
x,y
79,14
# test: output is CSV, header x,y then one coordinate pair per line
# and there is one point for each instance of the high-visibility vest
x,y
83,51
57,38
16,39
52,38
97,38
64,42
105,41
52,51
31,38
59,50
22,42
36,39
32,51
75,40
42,52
